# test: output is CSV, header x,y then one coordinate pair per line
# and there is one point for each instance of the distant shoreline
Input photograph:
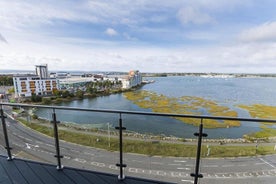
x,y
158,74
210,75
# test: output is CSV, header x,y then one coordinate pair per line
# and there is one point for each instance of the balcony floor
x,y
19,171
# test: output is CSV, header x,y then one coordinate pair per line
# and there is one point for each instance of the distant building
x,y
25,86
39,84
60,75
42,71
133,79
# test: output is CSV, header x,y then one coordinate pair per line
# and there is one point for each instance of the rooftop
x,y
30,172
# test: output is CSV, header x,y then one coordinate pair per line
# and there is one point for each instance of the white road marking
x,y
25,138
210,166
174,164
268,163
178,174
67,157
189,181
259,163
228,166
87,153
183,161
79,160
136,170
113,167
50,145
184,168
157,163
28,145
98,164
161,173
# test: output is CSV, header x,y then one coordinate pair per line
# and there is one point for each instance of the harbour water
x,y
225,91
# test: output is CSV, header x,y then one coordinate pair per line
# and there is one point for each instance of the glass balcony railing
x,y
117,142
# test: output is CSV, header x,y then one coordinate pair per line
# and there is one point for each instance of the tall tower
x,y
42,71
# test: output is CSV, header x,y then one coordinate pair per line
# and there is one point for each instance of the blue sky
x,y
148,35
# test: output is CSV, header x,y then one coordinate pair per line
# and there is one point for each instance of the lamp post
x,y
108,131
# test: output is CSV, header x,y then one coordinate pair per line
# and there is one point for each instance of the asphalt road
x,y
32,145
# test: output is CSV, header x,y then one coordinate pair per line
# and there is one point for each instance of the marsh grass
x,y
260,111
263,112
265,132
184,105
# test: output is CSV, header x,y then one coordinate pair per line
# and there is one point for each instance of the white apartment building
x,y
133,79
26,85
42,71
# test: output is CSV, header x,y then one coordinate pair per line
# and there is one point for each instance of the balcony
x,y
26,171
36,158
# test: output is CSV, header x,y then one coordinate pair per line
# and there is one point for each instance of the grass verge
x,y
150,148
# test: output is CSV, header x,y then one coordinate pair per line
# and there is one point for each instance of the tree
x,y
36,98
57,92
91,90
46,100
79,94
65,94
6,80
11,90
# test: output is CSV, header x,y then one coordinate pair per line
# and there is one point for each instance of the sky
x,y
225,36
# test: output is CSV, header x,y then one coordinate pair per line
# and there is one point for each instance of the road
x,y
29,144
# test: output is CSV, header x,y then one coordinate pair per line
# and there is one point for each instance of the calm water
x,y
229,92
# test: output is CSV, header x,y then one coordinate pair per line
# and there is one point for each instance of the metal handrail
x,y
121,176
141,113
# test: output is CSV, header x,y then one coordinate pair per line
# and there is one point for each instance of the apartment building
x,y
26,85
134,78
42,71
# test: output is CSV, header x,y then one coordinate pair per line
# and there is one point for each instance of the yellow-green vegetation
x,y
149,147
184,105
260,111
263,112
264,133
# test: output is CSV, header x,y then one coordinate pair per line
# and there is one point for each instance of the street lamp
x,y
108,131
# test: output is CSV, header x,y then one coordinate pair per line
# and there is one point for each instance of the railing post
x,y
121,165
58,156
8,148
197,175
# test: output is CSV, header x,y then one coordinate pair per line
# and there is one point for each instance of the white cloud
x,y
20,14
191,15
263,33
111,32
137,21
242,57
